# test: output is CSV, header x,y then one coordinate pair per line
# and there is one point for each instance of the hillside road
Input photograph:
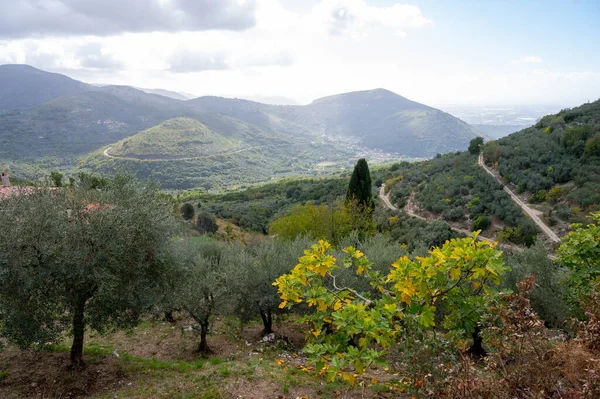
x,y
530,212
386,198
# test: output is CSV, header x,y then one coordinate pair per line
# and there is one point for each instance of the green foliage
x,y
187,211
521,235
199,287
580,252
206,223
359,188
349,328
592,146
249,273
547,294
56,178
453,186
555,193
95,257
255,207
88,181
475,145
415,234
481,223
560,149
315,221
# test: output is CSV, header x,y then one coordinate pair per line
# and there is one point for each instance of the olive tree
x,y
73,258
200,288
250,273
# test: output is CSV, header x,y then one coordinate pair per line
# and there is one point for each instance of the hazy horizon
x,y
285,51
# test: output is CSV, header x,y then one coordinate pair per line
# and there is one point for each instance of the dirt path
x,y
410,209
530,212
106,154
187,158
386,198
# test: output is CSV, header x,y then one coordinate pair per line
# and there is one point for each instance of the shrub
x,y
481,223
547,296
206,223
187,211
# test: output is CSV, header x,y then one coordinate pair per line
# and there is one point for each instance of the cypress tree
x,y
359,188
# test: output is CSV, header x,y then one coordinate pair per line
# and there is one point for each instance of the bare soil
x,y
159,360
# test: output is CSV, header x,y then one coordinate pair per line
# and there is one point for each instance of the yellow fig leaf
x,y
349,378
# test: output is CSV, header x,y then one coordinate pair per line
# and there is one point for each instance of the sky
x,y
480,52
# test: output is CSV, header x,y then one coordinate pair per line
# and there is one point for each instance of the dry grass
x,y
158,360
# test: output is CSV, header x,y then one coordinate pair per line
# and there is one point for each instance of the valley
x,y
185,219
283,199
72,131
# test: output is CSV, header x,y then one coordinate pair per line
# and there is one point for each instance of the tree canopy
x,y
73,257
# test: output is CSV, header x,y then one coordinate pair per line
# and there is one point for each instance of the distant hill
x,y
79,120
385,120
174,139
378,119
22,86
167,93
77,124
214,152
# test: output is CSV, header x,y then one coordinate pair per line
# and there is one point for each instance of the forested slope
x,y
454,188
555,162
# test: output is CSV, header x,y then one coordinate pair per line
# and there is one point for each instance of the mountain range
x,y
59,122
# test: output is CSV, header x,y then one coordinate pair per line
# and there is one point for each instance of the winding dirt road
x,y
106,154
410,211
386,198
530,212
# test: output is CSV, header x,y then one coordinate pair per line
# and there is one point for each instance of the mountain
x,y
377,119
167,93
22,86
385,120
74,125
174,139
83,120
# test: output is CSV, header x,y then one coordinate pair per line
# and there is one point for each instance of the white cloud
x,y
327,47
186,61
29,18
528,60
356,17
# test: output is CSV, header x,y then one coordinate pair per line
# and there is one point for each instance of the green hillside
x,y
216,152
174,139
258,141
22,86
377,119
75,125
384,120
555,163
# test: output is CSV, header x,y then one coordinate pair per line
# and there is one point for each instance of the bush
x,y
481,223
546,297
187,211
206,223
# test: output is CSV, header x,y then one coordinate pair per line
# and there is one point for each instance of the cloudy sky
x,y
432,51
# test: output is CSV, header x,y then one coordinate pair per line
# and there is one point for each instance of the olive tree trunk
x,y
203,347
78,332
267,319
